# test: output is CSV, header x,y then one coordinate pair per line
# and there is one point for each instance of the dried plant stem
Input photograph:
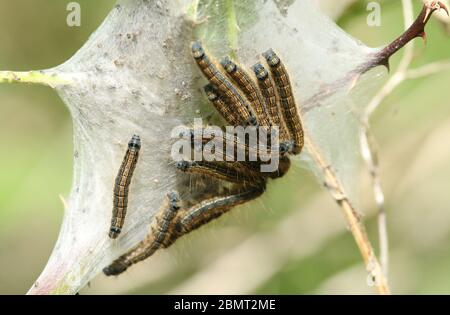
x,y
352,217
34,77
370,156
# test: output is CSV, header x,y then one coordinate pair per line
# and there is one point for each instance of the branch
x,y
370,156
43,77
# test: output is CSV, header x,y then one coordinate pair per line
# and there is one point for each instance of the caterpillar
x,y
235,100
248,86
287,101
121,185
268,90
220,105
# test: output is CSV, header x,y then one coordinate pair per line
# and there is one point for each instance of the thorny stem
x,y
417,29
352,217
34,77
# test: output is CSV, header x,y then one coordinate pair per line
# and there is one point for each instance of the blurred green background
x,y
313,252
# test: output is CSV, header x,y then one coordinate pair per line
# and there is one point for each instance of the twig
x,y
353,218
34,77
415,30
370,156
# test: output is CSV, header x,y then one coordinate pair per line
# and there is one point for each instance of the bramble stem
x,y
417,29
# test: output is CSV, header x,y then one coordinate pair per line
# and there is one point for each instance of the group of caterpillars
x,y
242,101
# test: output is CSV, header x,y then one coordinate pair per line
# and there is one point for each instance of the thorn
x,y
433,6
427,15
387,65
